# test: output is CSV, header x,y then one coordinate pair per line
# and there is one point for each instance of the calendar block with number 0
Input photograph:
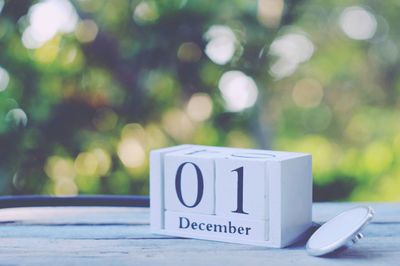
x,y
257,197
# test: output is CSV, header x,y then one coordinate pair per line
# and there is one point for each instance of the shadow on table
x,y
303,241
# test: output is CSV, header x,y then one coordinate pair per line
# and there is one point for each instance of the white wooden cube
x,y
190,180
272,208
241,187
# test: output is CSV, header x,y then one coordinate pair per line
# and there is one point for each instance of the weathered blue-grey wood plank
x,y
120,236
384,212
74,215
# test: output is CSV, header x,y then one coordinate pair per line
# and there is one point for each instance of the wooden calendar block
x,y
244,196
241,187
190,180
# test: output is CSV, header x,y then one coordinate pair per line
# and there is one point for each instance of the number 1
x,y
239,208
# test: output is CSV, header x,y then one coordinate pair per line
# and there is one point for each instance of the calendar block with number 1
x,y
257,197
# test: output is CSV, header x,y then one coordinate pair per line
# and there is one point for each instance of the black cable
x,y
98,200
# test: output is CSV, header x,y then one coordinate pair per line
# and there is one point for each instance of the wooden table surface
x,y
120,236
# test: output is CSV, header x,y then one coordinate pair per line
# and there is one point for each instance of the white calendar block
x,y
190,180
244,196
241,187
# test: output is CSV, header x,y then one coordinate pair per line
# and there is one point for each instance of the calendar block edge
x,y
295,198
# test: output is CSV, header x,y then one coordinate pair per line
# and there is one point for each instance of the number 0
x,y
178,185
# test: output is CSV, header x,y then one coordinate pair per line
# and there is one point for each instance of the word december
x,y
184,223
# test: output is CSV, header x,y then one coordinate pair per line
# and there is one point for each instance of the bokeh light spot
x,y
145,12
46,19
199,107
131,152
4,79
238,90
17,117
48,52
58,167
291,50
70,57
1,5
358,23
104,161
86,31
65,187
155,136
177,124
134,130
86,164
269,12
221,44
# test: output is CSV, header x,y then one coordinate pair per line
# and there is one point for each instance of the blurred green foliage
x,y
89,87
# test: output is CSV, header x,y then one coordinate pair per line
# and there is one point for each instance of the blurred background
x,y
89,87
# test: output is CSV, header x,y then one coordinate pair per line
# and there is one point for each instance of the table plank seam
x,y
71,224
